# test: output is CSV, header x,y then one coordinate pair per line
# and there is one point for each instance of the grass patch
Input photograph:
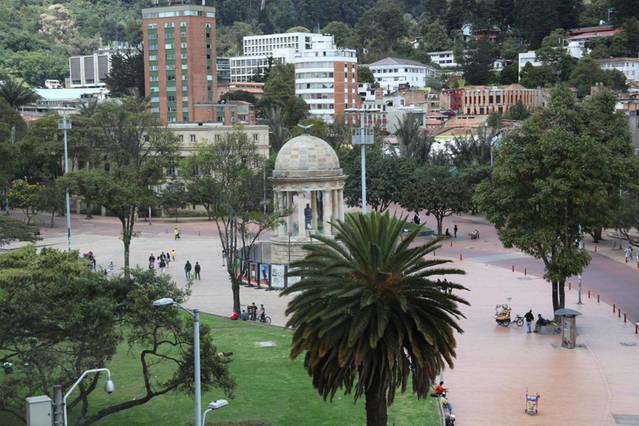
x,y
271,389
425,230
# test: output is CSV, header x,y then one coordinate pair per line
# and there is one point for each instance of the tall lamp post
x,y
167,301
362,136
65,124
109,387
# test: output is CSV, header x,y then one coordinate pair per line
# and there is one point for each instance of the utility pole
x,y
362,136
58,406
65,124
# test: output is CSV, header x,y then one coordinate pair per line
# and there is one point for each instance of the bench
x,y
553,327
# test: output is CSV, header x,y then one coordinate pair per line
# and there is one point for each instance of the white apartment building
x,y
529,57
390,73
262,51
445,59
628,66
326,78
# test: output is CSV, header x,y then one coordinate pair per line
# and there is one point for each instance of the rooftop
x,y
396,61
69,94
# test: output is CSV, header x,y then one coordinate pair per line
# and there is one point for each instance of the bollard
x,y
588,294
614,308
597,298
625,318
525,271
434,253
451,243
569,285
595,249
461,257
198,233
513,268
637,263
619,313
626,260
637,328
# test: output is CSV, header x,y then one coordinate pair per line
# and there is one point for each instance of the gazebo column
x,y
340,204
301,205
314,210
327,198
290,220
279,206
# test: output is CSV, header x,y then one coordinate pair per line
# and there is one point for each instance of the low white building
x,y
628,66
245,68
529,57
390,73
579,39
445,59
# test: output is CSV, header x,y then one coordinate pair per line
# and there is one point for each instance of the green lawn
x,y
270,388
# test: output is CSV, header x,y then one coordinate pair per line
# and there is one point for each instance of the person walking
x,y
197,271
187,270
167,258
224,257
162,264
173,254
151,261
628,254
176,233
529,317
455,231
110,269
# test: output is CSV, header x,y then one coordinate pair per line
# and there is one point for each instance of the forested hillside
x,y
36,36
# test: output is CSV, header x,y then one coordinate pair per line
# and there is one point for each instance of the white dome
x,y
306,156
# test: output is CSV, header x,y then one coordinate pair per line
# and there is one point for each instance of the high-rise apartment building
x,y
180,60
326,78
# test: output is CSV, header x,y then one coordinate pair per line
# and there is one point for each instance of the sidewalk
x,y
583,386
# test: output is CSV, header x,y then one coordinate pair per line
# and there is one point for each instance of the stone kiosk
x,y
308,191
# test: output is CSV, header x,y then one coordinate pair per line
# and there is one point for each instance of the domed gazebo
x,y
308,190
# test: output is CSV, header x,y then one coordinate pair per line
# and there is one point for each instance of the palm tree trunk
x,y
376,410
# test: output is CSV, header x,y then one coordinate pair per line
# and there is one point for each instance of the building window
x,y
180,138
192,138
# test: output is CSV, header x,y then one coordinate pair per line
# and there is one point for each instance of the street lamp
x,y
362,137
109,387
65,124
167,301
215,405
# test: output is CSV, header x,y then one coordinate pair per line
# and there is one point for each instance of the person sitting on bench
x,y
541,321
474,235
439,389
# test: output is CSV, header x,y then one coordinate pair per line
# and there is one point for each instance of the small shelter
x,y
308,191
568,327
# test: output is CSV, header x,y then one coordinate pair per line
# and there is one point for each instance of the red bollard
x,y
451,243
626,260
595,249
614,308
569,285
637,263
619,313
597,298
588,294
513,268
637,328
434,253
461,257
625,318
525,271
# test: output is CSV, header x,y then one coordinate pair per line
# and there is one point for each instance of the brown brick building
x,y
179,60
483,100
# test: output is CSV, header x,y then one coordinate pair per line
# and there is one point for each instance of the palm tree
x,y
279,133
414,141
16,93
369,313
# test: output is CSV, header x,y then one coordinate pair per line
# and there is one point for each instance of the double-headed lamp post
x,y
215,405
109,387
167,301
362,136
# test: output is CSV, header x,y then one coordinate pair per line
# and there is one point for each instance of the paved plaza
x,y
495,366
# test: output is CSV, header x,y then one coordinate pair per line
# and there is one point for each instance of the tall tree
x,y
436,37
550,181
237,172
279,90
127,75
436,191
136,151
479,63
415,143
369,314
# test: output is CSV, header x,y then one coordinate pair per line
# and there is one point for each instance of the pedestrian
x,y
110,269
162,264
162,255
167,258
261,313
176,233
187,270
93,261
197,271
447,233
455,230
224,257
529,317
628,254
173,254
151,261
245,315
253,311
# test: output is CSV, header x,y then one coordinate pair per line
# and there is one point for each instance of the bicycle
x,y
265,319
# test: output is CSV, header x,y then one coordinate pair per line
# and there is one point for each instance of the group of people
x,y
197,269
447,232
252,313
91,258
163,260
629,254
541,321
